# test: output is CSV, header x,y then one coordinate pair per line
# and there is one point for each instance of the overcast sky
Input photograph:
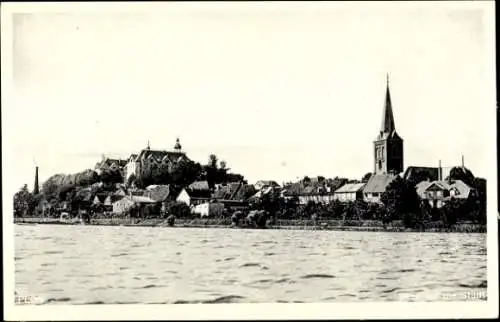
x,y
277,91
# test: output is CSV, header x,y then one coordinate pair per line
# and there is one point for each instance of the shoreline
x,y
287,225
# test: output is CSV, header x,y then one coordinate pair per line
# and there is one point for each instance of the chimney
x,y
440,172
36,188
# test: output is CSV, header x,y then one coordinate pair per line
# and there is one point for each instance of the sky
x,y
277,91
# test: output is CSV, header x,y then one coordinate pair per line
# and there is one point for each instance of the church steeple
x,y
388,147
388,117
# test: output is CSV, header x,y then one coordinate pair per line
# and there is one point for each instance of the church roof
x,y
378,183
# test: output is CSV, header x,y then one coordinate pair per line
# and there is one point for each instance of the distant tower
x,y
388,146
36,188
178,146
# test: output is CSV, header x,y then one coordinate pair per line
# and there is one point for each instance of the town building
x,y
438,193
318,190
376,186
262,184
150,162
158,193
196,193
388,154
110,164
125,204
209,209
349,192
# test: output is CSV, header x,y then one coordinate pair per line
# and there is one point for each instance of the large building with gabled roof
x,y
149,161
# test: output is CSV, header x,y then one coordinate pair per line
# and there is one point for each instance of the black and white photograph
x,y
279,159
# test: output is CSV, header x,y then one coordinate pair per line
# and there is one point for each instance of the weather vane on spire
x,y
387,79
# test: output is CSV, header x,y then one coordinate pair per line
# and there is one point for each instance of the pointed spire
x,y
148,148
388,117
36,188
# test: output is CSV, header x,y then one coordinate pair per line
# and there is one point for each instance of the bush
x,y
178,209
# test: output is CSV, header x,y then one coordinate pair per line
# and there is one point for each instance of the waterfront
x,y
111,265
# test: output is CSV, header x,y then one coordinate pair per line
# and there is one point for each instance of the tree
x,y
366,177
212,161
184,173
108,177
178,210
461,173
21,202
271,202
451,211
131,180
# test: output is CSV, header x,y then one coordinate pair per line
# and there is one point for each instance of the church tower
x,y
388,146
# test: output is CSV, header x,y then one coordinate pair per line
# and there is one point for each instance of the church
x,y
388,154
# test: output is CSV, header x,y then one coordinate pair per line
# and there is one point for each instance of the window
x,y
379,165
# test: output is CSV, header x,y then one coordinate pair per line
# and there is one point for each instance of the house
x,y
438,193
311,190
349,192
193,196
261,184
234,191
109,164
199,185
158,193
376,186
126,203
315,194
99,199
264,192
207,209
148,161
234,196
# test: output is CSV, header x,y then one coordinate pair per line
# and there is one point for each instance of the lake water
x,y
111,265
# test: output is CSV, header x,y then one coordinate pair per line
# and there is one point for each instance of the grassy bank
x,y
339,225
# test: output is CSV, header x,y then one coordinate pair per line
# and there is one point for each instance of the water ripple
x,y
317,276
